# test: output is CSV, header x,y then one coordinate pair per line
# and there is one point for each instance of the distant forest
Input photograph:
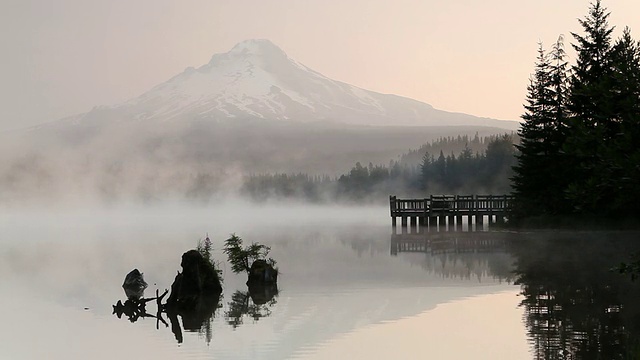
x,y
580,142
449,165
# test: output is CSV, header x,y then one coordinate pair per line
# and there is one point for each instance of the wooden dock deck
x,y
450,210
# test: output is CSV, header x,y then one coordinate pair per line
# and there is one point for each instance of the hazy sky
x,y
63,57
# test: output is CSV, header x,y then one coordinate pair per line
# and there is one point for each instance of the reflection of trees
x,y
199,318
255,303
463,255
469,266
575,307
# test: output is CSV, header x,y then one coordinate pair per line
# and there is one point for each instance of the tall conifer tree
x,y
579,147
592,126
620,167
588,100
530,174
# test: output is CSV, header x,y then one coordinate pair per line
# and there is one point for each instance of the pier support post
x,y
453,225
490,220
404,221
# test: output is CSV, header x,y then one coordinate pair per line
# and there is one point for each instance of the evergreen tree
x,y
590,104
426,169
531,175
558,168
559,87
499,160
588,99
578,150
619,167
601,101
441,168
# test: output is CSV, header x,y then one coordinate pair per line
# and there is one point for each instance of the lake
x,y
349,287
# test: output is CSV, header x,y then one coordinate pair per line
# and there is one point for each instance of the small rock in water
x,y
134,285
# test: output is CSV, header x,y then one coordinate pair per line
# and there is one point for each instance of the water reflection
x,y
339,279
197,319
132,308
255,303
135,306
575,306
457,254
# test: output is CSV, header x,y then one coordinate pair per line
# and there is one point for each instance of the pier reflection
x,y
458,254
450,242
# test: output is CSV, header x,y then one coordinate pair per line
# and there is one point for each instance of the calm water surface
x,y
349,288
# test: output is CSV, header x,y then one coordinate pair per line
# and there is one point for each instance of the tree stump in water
x,y
198,278
261,272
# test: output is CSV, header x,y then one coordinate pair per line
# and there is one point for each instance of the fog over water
x,y
349,286
63,270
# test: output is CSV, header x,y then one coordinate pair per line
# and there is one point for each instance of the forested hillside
x,y
484,171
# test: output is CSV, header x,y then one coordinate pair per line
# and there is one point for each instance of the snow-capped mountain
x,y
257,80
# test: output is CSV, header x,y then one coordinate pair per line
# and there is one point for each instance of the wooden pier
x,y
452,211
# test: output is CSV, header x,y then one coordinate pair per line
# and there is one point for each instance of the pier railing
x,y
450,209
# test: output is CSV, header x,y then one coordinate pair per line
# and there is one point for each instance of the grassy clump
x,y
205,248
242,257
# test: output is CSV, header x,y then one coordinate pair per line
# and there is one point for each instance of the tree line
x,y
579,147
486,171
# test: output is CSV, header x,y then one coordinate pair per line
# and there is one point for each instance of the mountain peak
x,y
261,49
256,79
255,47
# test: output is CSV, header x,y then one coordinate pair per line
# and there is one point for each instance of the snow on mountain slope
x,y
257,80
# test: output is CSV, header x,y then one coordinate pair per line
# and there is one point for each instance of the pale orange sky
x,y
66,56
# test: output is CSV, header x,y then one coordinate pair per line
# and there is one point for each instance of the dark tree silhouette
x,y
578,151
